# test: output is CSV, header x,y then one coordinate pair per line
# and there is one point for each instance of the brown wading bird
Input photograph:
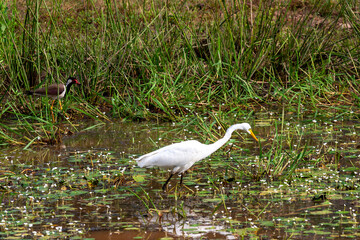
x,y
179,157
55,91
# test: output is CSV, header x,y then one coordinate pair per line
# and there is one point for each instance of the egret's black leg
x,y
164,186
181,179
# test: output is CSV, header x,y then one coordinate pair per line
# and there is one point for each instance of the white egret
x,y
179,157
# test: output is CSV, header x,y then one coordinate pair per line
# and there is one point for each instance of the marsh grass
x,y
163,60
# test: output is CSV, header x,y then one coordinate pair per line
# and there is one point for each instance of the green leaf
x,y
139,178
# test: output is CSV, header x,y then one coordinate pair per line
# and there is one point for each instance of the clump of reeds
x,y
161,60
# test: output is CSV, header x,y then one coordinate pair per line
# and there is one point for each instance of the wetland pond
x,y
301,182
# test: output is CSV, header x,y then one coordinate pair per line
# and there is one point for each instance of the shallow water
x,y
90,186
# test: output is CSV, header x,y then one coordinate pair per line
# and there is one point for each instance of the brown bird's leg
x,y
164,186
51,108
62,109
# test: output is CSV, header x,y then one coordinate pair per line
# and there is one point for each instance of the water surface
x,y
90,185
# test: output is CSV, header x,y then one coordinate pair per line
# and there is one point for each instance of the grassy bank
x,y
157,60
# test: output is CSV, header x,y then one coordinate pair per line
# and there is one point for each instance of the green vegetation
x,y
156,59
202,65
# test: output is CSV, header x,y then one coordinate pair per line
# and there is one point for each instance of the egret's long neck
x,y
219,143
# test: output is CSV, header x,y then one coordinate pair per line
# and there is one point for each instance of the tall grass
x,y
154,59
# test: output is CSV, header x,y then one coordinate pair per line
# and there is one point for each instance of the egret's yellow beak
x,y
253,135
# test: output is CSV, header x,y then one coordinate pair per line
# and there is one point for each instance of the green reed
x,y
152,60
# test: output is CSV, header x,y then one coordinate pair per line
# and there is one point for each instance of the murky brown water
x,y
230,195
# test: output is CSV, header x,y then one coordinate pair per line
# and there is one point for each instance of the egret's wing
x,y
172,156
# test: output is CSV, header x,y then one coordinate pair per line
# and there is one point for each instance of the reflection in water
x,y
129,234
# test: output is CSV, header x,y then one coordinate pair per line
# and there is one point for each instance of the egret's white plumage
x,y
179,157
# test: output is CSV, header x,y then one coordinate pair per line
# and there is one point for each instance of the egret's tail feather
x,y
143,161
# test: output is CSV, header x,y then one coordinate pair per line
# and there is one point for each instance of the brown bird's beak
x,y
253,135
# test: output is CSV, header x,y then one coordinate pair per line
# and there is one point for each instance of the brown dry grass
x,y
193,13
